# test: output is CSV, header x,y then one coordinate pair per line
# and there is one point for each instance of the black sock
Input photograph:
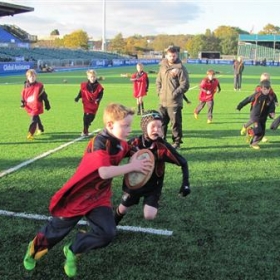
x,y
118,216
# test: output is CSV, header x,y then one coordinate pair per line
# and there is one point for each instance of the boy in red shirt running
x,y
33,99
88,194
91,93
208,87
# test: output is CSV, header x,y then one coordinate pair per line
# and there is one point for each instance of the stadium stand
x,y
7,37
7,9
19,33
259,47
15,46
54,54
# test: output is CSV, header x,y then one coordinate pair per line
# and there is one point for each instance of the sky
x,y
142,17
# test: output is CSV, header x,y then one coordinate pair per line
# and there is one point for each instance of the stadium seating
x,y
258,52
50,53
6,37
15,36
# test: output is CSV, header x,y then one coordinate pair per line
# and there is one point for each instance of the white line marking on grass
x,y
193,87
25,163
125,228
147,230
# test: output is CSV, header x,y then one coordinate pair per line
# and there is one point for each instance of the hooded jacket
x,y
170,87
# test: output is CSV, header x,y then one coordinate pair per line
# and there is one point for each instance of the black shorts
x,y
150,199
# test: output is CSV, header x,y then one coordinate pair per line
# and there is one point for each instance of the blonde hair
x,y
30,72
210,72
116,112
265,76
141,65
91,72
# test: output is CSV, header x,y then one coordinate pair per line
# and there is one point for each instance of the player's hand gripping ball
x,y
136,180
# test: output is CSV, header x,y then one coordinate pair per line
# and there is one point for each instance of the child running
x,y
151,126
208,87
91,93
88,194
264,76
262,106
33,99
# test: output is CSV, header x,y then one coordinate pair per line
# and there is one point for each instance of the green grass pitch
x,y
228,228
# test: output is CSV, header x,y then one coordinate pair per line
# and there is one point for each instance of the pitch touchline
x,y
127,228
17,167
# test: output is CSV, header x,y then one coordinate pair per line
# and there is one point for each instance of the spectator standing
x,y
238,68
172,82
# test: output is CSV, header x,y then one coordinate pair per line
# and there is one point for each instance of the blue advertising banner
x,y
7,68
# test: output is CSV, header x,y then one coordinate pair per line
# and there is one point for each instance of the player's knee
x,y
150,216
150,212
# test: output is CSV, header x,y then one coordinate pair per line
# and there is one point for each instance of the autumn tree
x,y
77,39
270,29
228,37
117,44
195,45
161,42
211,42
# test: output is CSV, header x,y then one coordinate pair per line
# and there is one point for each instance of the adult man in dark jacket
x,y
238,68
172,82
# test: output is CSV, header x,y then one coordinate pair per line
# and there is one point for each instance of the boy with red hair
x,y
88,194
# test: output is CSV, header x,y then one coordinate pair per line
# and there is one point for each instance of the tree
x,y
208,32
55,32
229,45
161,42
117,44
225,31
270,29
211,42
228,37
77,39
135,44
195,45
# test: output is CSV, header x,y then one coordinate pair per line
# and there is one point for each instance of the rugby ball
x,y
136,180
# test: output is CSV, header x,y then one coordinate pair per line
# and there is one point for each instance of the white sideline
x,y
127,228
15,168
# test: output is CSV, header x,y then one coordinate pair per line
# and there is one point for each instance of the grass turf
x,y
228,228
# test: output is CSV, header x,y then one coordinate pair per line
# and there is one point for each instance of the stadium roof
x,y
7,9
259,38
